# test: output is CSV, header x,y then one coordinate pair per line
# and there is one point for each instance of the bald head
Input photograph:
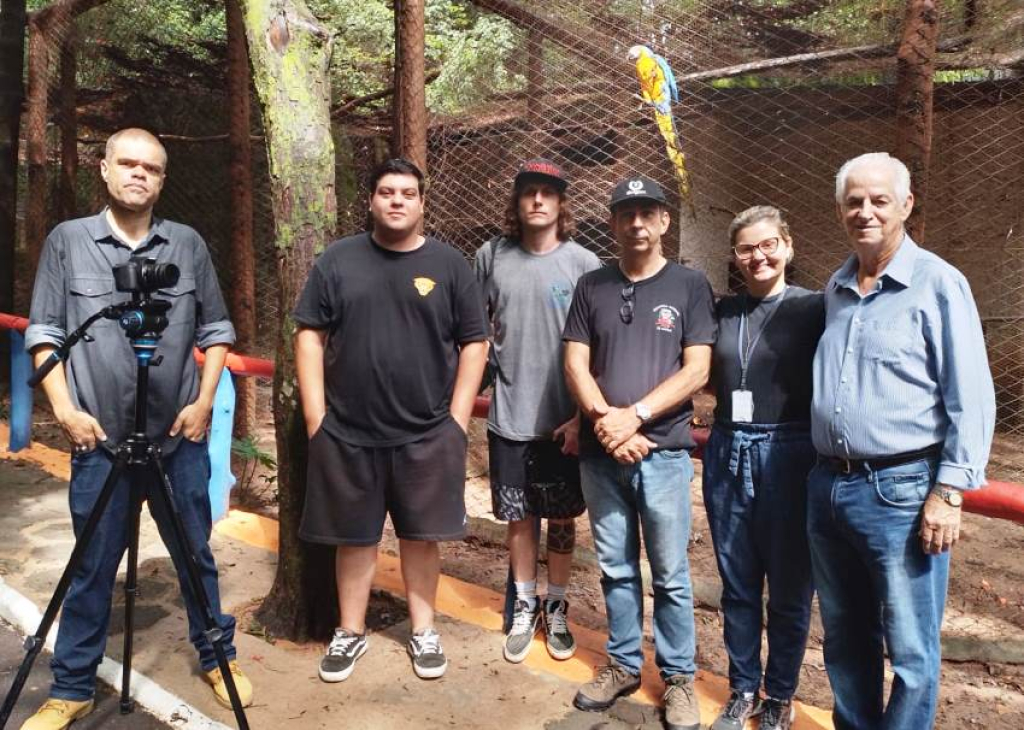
x,y
133,133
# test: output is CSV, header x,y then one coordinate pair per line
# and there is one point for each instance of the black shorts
x,y
533,478
350,489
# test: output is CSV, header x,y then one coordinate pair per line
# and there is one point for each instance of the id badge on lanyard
x,y
743,399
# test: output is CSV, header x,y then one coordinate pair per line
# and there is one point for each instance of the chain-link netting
x,y
774,96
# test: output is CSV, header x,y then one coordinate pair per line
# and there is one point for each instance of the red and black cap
x,y
543,170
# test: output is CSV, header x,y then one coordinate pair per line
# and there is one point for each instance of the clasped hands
x,y
618,431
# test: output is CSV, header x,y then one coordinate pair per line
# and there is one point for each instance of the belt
x,y
847,466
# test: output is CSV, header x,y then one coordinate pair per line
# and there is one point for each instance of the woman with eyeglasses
x,y
755,469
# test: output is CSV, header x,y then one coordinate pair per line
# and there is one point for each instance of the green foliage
x,y
248,451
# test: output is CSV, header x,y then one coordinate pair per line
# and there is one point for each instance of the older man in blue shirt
x,y
902,418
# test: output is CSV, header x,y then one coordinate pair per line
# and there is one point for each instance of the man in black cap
x,y
528,276
638,346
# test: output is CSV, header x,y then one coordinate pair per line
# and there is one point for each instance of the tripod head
x,y
142,318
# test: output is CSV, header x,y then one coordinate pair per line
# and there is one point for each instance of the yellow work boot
x,y
57,714
220,689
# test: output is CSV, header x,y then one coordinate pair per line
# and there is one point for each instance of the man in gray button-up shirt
x,y
902,418
93,400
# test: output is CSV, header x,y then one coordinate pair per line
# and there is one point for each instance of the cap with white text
x,y
637,187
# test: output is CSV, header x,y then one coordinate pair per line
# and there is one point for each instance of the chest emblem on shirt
x,y
424,285
667,316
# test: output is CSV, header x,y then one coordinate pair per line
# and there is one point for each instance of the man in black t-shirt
x,y
390,351
638,346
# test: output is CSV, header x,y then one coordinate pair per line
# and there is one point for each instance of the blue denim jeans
x,y
85,617
621,499
755,493
878,590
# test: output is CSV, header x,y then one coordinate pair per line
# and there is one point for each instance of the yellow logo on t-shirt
x,y
424,285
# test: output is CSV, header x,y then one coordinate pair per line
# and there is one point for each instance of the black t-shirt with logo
x,y
394,321
672,309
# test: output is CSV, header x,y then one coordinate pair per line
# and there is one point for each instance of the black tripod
x,y
142,319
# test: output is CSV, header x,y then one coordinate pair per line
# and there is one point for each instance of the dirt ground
x,y
987,582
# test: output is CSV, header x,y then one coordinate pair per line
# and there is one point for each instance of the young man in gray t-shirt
x,y
528,277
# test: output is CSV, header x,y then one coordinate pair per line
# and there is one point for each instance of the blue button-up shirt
x,y
904,367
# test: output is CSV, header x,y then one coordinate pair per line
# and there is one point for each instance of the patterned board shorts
x,y
533,478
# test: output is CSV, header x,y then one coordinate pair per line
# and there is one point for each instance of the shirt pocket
x,y
182,297
89,295
887,341
904,491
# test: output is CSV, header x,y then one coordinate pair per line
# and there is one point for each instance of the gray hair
x,y
900,174
756,214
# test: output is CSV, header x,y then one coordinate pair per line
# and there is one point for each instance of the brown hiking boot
x,y
681,709
610,683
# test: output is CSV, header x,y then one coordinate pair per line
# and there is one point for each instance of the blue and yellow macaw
x,y
658,88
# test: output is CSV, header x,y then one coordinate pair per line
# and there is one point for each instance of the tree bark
x,y
47,28
67,206
12,52
410,108
915,72
37,192
534,74
290,53
243,264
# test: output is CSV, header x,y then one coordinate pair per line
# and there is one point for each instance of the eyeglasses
x,y
628,302
768,246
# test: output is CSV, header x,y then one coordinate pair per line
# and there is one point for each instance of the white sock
x,y
527,591
556,592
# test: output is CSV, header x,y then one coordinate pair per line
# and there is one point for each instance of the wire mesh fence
x,y
774,96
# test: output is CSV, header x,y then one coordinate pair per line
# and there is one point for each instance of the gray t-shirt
x,y
528,297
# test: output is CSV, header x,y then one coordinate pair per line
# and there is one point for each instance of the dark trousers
x,y
85,617
755,494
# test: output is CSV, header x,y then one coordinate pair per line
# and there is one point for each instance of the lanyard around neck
x,y
745,353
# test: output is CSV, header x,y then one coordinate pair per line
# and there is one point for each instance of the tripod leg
x,y
131,585
164,493
34,644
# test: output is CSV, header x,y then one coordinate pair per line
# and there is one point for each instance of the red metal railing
x,y
1002,500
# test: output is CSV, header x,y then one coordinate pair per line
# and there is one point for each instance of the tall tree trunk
x,y
915,72
12,52
534,74
243,265
37,193
67,206
410,106
290,53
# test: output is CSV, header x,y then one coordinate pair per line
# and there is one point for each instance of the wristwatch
x,y
952,497
643,412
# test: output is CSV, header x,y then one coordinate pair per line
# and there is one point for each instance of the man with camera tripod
x,y
93,401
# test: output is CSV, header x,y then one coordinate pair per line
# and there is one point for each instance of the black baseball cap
x,y
541,169
637,187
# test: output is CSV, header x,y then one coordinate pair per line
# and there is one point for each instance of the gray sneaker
x,y
428,659
520,636
778,715
560,642
340,659
610,683
737,711
681,709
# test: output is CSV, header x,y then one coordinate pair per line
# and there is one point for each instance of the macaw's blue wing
x,y
670,78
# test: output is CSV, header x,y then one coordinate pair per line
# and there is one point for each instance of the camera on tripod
x,y
145,276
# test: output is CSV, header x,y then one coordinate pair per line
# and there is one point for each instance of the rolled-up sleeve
x,y
213,326
965,383
48,314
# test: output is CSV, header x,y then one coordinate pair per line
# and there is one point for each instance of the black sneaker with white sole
x,y
519,639
428,659
560,642
340,659
778,714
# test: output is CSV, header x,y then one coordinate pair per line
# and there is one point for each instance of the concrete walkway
x,y
480,689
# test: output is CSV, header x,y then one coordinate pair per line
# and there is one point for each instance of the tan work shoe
x,y
610,683
681,709
220,688
57,714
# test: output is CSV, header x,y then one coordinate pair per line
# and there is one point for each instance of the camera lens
x,y
155,276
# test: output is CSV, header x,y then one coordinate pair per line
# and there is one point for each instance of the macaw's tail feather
x,y
667,127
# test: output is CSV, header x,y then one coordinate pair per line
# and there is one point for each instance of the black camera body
x,y
145,276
